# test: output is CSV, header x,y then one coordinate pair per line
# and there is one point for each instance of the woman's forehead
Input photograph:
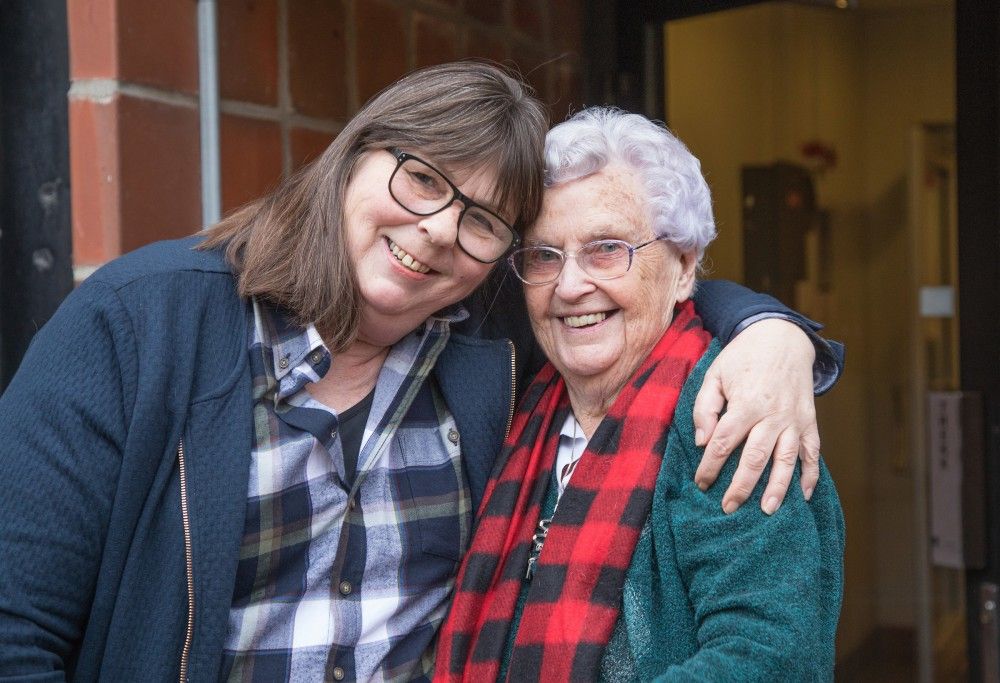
x,y
595,207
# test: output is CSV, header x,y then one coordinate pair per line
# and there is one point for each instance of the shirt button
x,y
338,673
346,587
316,357
452,436
283,363
333,432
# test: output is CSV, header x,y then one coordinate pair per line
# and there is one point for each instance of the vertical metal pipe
x,y
208,109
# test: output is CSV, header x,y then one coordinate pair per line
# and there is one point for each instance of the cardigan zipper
x,y
188,562
513,387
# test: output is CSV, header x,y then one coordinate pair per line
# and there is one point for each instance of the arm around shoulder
x,y
728,308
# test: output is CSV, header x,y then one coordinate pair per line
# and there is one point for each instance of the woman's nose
x,y
441,228
573,281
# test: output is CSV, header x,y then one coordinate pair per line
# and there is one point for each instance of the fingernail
x,y
809,494
770,505
701,486
699,438
730,507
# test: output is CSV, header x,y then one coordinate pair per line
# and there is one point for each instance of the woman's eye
x,y
424,179
480,221
545,256
607,248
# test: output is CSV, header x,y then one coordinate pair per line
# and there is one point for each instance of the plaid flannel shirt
x,y
340,581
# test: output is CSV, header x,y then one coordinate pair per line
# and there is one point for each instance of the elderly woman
x,y
595,556
256,455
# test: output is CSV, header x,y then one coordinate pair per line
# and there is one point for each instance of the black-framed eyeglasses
x,y
600,259
423,190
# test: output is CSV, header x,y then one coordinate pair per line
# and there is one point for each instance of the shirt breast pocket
x,y
439,508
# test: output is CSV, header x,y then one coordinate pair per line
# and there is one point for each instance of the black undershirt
x,y
352,429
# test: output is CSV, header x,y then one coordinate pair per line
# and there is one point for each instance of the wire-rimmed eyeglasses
x,y
600,259
423,190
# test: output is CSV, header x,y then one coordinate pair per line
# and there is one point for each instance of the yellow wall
x,y
909,79
749,86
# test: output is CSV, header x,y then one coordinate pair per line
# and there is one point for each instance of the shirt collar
x,y
571,429
288,343
455,313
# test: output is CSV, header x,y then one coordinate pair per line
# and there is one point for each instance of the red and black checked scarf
x,y
575,594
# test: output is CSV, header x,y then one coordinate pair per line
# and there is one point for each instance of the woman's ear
x,y
686,277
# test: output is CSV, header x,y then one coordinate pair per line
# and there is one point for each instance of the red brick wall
x,y
290,74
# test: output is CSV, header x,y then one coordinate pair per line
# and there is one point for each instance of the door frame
x,y
977,130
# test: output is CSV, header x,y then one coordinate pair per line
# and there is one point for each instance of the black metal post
x,y
35,231
978,150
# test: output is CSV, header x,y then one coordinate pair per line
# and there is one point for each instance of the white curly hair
x,y
677,196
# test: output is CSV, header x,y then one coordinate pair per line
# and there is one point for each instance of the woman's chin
x,y
386,296
587,367
390,315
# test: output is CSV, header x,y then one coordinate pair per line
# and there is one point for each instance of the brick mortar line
x,y
462,17
549,47
100,90
84,270
351,56
506,31
263,112
410,36
285,109
314,124
104,91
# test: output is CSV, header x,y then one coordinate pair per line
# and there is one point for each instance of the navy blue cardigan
x,y
149,350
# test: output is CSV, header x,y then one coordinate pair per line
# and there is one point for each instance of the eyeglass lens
x,y
422,190
603,259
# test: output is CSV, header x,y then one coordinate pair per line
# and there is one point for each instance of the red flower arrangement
x,y
819,156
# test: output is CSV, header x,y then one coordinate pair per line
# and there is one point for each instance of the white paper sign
x,y
945,467
937,302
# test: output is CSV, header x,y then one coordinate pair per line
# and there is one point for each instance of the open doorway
x,y
860,103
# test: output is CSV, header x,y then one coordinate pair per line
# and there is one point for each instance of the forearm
x,y
727,308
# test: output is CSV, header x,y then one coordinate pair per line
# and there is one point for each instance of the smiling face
x,y
408,266
597,332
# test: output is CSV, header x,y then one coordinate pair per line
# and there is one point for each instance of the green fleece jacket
x,y
740,597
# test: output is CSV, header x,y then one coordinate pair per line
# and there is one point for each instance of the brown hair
x,y
287,246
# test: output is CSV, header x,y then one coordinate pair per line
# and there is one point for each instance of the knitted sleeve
x,y
765,591
62,430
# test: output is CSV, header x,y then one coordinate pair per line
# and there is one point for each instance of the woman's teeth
x,y
584,320
407,260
